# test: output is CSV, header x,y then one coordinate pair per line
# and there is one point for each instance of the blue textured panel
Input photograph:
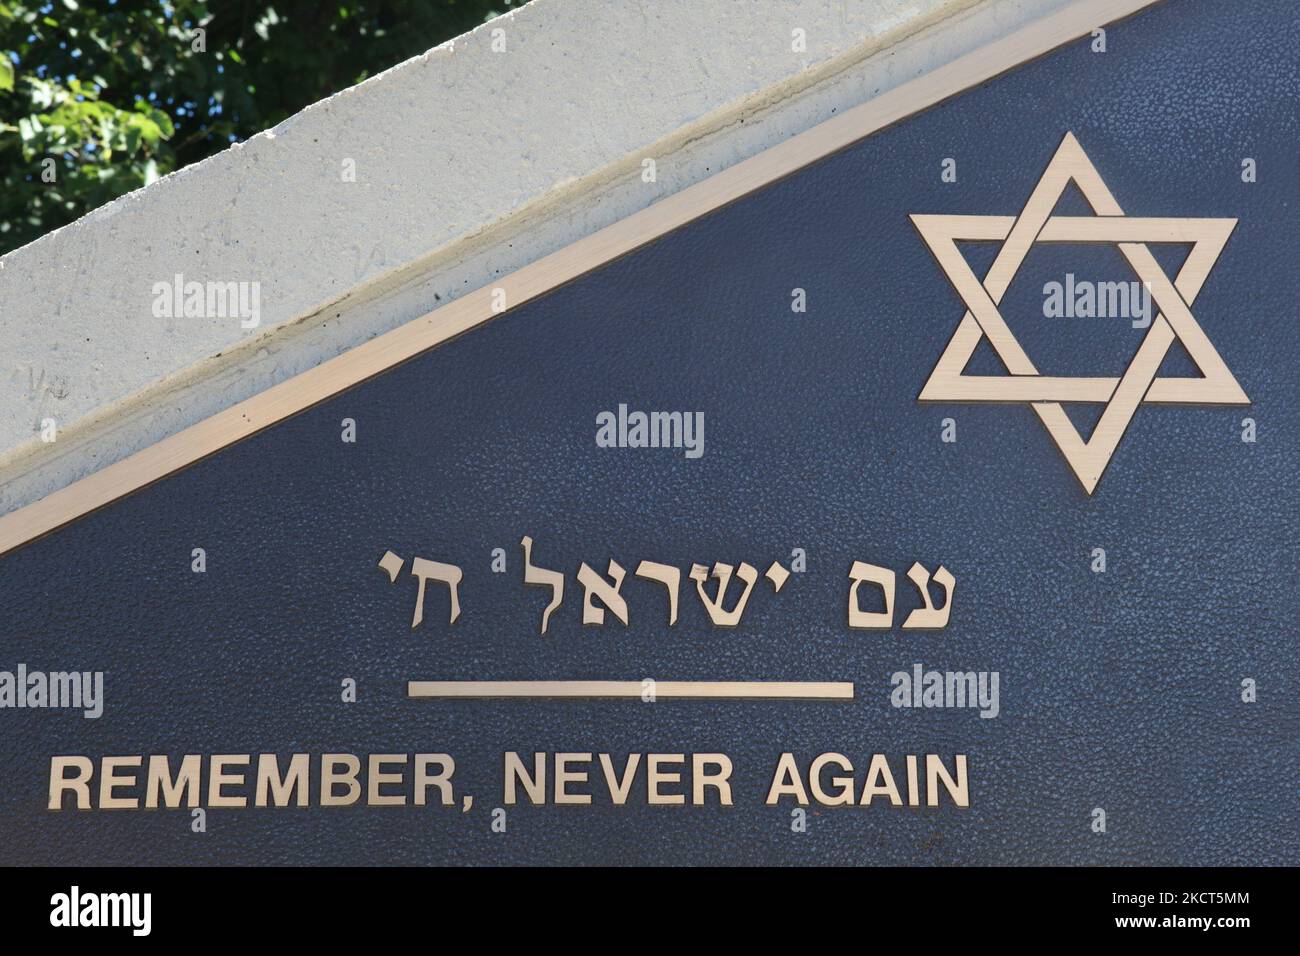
x,y
1119,690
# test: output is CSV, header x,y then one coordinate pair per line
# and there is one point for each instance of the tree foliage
x,y
99,97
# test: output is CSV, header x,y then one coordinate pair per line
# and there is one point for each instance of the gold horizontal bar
x,y
1079,228
1031,388
1129,229
632,689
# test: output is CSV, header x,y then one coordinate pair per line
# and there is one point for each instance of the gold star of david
x,y
1045,393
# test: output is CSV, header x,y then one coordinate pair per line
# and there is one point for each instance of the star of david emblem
x,y
1046,393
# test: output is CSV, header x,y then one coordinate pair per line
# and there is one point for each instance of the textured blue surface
x,y
1119,690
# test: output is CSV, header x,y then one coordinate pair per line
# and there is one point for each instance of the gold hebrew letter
x,y
609,596
720,617
777,574
877,620
669,577
928,617
424,571
542,576
392,565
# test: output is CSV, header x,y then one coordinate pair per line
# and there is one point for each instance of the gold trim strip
x,y
379,354
631,689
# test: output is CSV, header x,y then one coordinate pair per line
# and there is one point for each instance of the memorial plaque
x,y
925,498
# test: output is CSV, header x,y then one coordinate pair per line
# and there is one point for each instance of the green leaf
x,y
163,122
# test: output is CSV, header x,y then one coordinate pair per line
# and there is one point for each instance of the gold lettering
x,y
79,785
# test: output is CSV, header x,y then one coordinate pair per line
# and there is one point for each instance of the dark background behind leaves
x,y
103,97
